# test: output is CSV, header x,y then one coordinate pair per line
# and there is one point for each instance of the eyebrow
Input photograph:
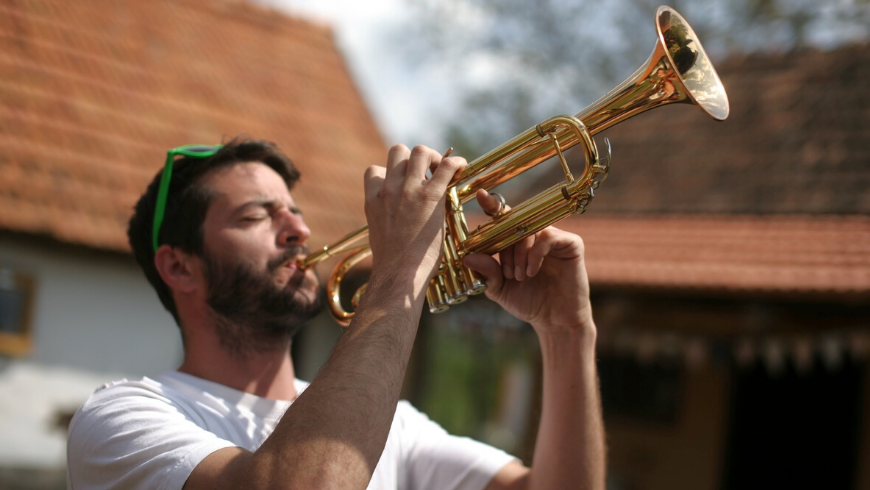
x,y
268,204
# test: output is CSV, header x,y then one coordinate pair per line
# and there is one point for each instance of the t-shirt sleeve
x,y
437,460
135,439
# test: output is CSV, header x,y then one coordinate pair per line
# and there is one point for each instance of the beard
x,y
252,314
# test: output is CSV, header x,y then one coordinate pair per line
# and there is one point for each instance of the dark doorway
x,y
795,431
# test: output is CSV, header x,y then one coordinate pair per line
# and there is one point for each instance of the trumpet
x,y
677,71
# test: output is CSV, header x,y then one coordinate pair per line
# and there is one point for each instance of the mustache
x,y
291,253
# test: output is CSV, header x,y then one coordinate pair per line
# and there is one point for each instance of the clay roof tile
x,y
92,96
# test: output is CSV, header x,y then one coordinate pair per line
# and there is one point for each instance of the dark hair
x,y
188,201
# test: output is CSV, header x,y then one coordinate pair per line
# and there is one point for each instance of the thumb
x,y
489,268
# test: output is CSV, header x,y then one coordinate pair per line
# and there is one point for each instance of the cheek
x,y
246,247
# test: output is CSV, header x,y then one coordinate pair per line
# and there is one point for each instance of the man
x,y
234,416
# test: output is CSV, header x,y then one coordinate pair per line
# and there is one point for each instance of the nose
x,y
293,230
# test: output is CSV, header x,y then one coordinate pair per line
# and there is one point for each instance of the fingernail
x,y
519,274
530,272
508,273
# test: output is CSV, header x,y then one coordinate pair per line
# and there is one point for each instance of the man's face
x,y
253,235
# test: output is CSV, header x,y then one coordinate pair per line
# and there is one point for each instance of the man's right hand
x,y
405,212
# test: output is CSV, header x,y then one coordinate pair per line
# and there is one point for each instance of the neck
x,y
268,374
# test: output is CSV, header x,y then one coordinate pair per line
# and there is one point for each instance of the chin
x,y
305,287
306,296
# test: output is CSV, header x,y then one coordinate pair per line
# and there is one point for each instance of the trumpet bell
x,y
691,63
677,71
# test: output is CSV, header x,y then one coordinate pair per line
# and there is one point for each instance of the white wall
x,y
93,311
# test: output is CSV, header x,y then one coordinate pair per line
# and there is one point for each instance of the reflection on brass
x,y
678,71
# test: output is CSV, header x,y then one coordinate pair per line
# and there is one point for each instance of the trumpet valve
x,y
473,283
436,295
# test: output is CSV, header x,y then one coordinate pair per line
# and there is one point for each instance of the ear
x,y
180,271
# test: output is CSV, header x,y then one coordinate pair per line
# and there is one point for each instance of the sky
x,y
392,92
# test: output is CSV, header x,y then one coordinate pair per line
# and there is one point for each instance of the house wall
x,y
693,451
93,311
686,454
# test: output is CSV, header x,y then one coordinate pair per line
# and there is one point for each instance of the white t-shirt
x,y
151,434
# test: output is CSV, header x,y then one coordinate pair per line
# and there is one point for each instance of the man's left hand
x,y
541,279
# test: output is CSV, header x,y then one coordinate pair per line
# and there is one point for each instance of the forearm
x,y
335,432
570,448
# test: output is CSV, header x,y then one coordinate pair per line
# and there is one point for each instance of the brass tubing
x,y
567,134
335,279
485,161
527,218
511,167
338,247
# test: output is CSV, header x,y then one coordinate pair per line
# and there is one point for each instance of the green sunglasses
x,y
194,151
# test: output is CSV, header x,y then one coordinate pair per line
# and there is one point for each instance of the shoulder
x,y
121,413
117,396
412,430
136,434
121,399
409,419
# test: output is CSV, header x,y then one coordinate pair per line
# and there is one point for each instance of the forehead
x,y
237,184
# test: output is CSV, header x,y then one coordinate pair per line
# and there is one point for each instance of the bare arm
x,y
542,280
334,433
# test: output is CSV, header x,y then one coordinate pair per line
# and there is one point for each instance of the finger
x,y
374,181
521,253
507,262
434,164
541,248
421,159
447,168
397,161
562,245
489,269
552,242
488,203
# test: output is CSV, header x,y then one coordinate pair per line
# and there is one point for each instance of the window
x,y
16,312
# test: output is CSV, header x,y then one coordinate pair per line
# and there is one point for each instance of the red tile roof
x,y
823,255
92,94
